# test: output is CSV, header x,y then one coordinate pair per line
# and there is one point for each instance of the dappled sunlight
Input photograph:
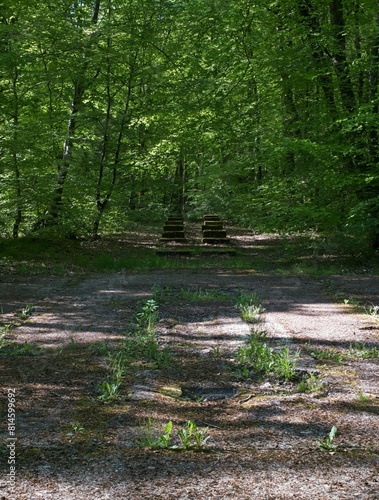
x,y
255,422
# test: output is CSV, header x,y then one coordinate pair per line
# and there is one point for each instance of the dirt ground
x,y
263,432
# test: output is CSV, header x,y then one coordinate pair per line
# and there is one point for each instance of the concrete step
x,y
173,227
212,226
214,234
173,234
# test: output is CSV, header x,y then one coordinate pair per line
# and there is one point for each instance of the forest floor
x,y
268,438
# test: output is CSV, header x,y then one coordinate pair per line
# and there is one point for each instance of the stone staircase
x,y
173,230
213,230
212,233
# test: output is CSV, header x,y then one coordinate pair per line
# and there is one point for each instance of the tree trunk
x,y
80,86
321,63
16,168
339,57
373,94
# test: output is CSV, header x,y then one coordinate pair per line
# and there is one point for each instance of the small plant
x,y
185,435
372,310
116,364
75,431
258,356
109,391
360,351
3,340
326,444
189,436
164,438
310,383
285,366
25,349
327,355
363,397
26,312
151,438
216,352
161,292
250,308
144,346
147,315
72,346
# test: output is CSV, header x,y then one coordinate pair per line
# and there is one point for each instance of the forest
x,y
120,110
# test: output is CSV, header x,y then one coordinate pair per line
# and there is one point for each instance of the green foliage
x,y
327,444
359,350
8,348
363,221
26,312
250,307
142,344
109,391
151,438
258,357
76,429
190,436
310,383
189,119
147,316
328,354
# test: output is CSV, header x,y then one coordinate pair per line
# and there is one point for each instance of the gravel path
x,y
262,440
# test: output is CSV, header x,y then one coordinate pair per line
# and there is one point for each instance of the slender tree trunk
x,y
16,168
80,86
64,165
339,58
373,95
102,202
253,96
321,62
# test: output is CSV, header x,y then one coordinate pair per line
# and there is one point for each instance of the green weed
x,y
151,437
363,397
99,349
147,315
326,444
190,436
360,351
3,340
26,312
217,352
142,344
259,357
75,430
328,354
25,349
250,308
310,383
116,364
109,391
161,292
